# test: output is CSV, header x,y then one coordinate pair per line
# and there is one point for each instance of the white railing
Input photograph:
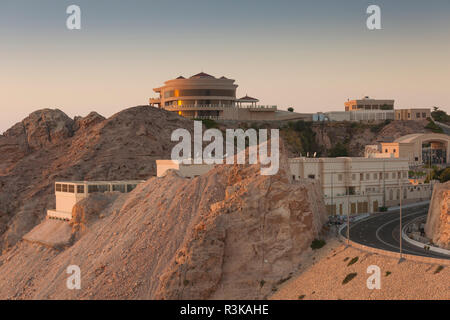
x,y
207,117
218,106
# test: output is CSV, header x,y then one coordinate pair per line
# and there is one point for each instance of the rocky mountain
x,y
229,234
48,146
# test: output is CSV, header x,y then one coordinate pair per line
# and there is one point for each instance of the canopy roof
x,y
248,99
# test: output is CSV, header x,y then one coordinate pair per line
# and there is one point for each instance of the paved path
x,y
382,231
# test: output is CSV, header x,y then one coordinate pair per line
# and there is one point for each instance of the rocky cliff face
x,y
48,146
357,135
229,234
437,227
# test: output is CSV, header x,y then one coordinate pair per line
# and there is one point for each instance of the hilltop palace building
x,y
204,96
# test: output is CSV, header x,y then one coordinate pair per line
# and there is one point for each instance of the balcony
x,y
193,107
219,107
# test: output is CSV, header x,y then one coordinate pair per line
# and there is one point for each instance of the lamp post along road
x,y
401,196
348,219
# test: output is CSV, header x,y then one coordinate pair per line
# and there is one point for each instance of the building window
x,y
98,188
418,115
58,187
375,176
131,187
424,115
64,188
311,176
71,188
119,187
367,176
80,189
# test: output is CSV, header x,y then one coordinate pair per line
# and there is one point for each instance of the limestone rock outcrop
x,y
48,146
437,227
228,234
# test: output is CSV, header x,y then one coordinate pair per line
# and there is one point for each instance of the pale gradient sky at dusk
x,y
311,55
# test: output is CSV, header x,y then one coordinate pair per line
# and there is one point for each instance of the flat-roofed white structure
x,y
185,170
349,184
360,115
418,148
70,192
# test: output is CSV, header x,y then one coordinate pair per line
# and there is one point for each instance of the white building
x,y
360,185
356,185
355,116
69,193
185,170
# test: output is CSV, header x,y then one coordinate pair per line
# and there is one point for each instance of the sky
x,y
310,55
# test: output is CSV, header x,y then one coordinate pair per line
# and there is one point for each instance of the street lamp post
x,y
332,202
348,219
401,196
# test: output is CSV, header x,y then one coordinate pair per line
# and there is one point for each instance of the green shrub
x,y
440,115
339,150
349,277
434,127
353,261
444,175
301,297
438,269
317,244
208,123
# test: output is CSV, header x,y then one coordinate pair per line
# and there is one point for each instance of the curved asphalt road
x,y
382,231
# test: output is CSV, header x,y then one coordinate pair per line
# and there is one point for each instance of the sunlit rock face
x,y
231,233
48,145
437,227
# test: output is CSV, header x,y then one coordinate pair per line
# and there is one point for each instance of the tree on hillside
x,y
433,127
440,115
290,109
339,150
445,175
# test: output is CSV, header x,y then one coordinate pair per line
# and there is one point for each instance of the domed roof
x,y
201,75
